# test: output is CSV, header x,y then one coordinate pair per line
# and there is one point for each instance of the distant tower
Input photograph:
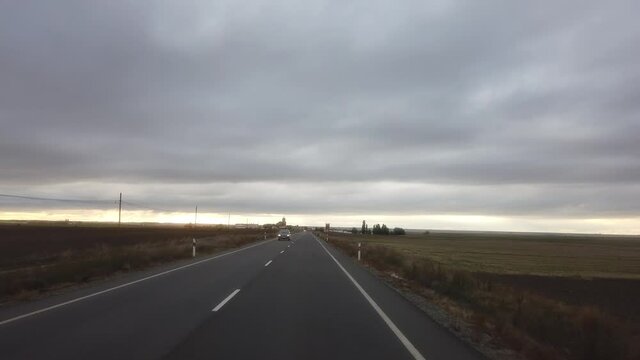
x,y
284,221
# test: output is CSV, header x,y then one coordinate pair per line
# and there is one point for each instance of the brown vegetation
x,y
534,325
37,259
586,256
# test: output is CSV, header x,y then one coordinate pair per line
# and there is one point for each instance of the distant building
x,y
282,224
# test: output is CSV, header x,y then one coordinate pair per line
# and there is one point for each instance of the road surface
x,y
271,300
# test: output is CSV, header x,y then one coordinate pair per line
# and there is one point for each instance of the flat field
x,y
38,258
552,296
583,256
596,270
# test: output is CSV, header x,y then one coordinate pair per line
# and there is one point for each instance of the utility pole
x,y
229,221
120,209
195,222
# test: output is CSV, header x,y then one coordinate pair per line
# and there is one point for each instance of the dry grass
x,y
54,263
533,254
535,326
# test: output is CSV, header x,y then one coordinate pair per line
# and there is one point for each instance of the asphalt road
x,y
272,300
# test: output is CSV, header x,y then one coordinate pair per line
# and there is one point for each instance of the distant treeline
x,y
378,230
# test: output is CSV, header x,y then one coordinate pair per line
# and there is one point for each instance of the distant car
x,y
284,235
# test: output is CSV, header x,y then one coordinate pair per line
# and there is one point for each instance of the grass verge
x,y
534,326
36,273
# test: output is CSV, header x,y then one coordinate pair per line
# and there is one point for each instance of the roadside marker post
x,y
359,251
327,228
119,209
194,247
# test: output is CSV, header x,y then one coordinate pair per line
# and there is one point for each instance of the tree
x,y
381,229
398,231
364,227
354,231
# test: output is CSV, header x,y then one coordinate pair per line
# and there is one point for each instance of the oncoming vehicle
x,y
284,234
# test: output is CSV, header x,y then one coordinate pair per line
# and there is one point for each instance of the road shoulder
x,y
430,337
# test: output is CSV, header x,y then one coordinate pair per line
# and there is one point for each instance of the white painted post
x,y
327,228
358,251
194,247
265,235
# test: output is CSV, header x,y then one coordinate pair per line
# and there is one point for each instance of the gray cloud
x,y
478,98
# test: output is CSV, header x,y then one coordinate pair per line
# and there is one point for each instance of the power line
x,y
86,201
35,198
146,207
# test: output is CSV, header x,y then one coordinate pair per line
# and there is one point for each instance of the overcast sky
x,y
402,110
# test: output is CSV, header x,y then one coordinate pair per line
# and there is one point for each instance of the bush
x,y
398,231
380,230
383,258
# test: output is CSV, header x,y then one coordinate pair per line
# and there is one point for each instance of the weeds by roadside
x,y
532,325
70,267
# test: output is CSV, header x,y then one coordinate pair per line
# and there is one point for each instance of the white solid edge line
x,y
226,300
268,262
125,285
407,344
